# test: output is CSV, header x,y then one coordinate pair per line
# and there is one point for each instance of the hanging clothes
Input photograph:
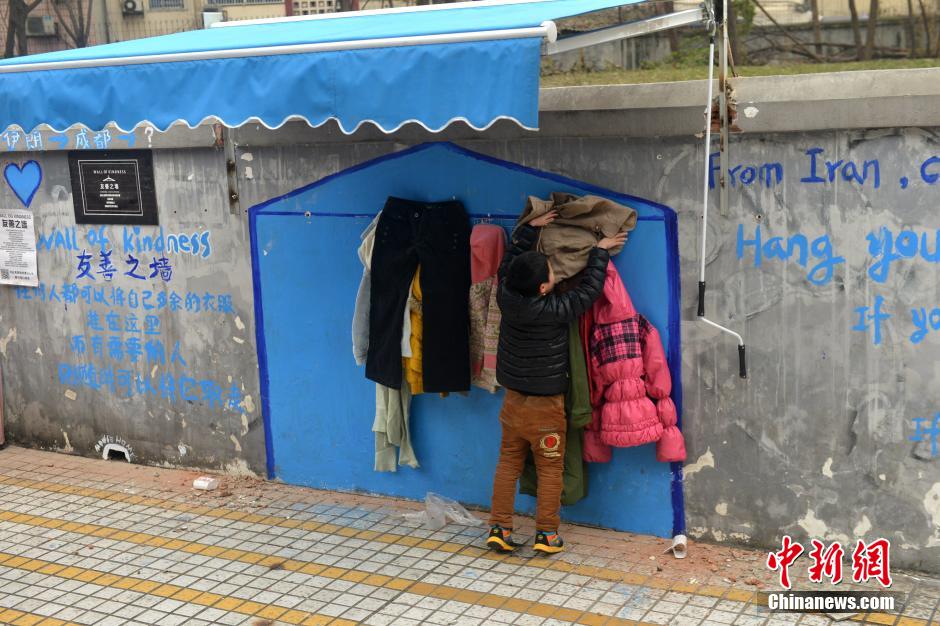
x,y
594,450
631,379
406,329
487,245
360,324
487,377
412,365
391,422
436,235
581,223
533,334
392,430
578,409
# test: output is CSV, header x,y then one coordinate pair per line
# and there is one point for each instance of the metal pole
x,y
708,147
742,358
723,103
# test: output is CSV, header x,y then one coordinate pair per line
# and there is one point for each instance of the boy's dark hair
x,y
526,272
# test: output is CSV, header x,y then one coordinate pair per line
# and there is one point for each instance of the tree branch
x,y
786,34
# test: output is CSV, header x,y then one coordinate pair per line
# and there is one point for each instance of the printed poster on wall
x,y
17,248
113,187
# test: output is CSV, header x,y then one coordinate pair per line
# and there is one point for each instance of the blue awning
x,y
477,62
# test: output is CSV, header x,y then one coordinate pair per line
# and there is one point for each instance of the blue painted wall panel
x,y
318,404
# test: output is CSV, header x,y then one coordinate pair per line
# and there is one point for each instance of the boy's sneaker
x,y
548,542
501,540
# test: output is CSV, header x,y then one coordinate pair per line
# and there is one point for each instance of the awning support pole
x,y
742,357
626,31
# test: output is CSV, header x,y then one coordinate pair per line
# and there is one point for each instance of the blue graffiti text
x,y
797,246
927,433
762,174
871,318
886,248
822,170
126,383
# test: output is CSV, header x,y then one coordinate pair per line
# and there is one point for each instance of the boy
x,y
532,364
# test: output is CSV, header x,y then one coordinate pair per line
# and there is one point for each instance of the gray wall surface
x,y
823,441
817,443
70,382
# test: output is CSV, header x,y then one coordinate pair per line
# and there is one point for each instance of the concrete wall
x,y
818,443
70,378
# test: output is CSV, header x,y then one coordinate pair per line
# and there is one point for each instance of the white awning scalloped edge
x,y
212,119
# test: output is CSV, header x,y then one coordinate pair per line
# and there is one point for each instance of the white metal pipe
x,y
723,103
704,238
547,30
708,147
723,329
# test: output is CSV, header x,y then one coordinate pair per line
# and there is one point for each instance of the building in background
x,y
60,24
313,7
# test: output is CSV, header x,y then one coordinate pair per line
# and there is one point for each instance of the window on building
x,y
166,4
313,7
230,2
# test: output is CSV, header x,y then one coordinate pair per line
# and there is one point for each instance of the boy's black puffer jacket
x,y
532,357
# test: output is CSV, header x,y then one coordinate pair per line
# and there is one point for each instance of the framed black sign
x,y
113,187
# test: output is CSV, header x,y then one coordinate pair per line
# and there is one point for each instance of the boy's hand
x,y
612,242
544,220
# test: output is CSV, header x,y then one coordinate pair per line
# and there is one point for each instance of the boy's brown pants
x,y
534,423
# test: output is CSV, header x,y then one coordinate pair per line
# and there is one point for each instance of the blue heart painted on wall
x,y
24,181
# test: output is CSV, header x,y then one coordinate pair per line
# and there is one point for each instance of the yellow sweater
x,y
412,365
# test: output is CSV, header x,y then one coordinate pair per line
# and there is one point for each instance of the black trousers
x,y
437,236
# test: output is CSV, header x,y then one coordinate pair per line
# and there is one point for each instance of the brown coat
x,y
581,223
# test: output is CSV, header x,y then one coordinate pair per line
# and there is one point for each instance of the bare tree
x,y
783,31
736,47
911,29
666,8
75,20
17,12
872,29
928,40
817,31
856,29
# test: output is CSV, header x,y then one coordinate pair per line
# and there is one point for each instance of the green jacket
x,y
578,408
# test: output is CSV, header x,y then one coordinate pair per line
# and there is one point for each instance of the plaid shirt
x,y
619,341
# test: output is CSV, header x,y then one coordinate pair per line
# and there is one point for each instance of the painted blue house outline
x,y
317,405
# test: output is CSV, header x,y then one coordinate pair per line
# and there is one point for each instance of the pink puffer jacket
x,y
630,380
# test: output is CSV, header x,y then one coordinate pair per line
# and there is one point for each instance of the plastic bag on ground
x,y
440,511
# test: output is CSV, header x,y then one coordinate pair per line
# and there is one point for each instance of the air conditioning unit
x,y
211,17
132,7
40,26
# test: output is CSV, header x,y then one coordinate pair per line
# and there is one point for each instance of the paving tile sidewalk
x,y
86,541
